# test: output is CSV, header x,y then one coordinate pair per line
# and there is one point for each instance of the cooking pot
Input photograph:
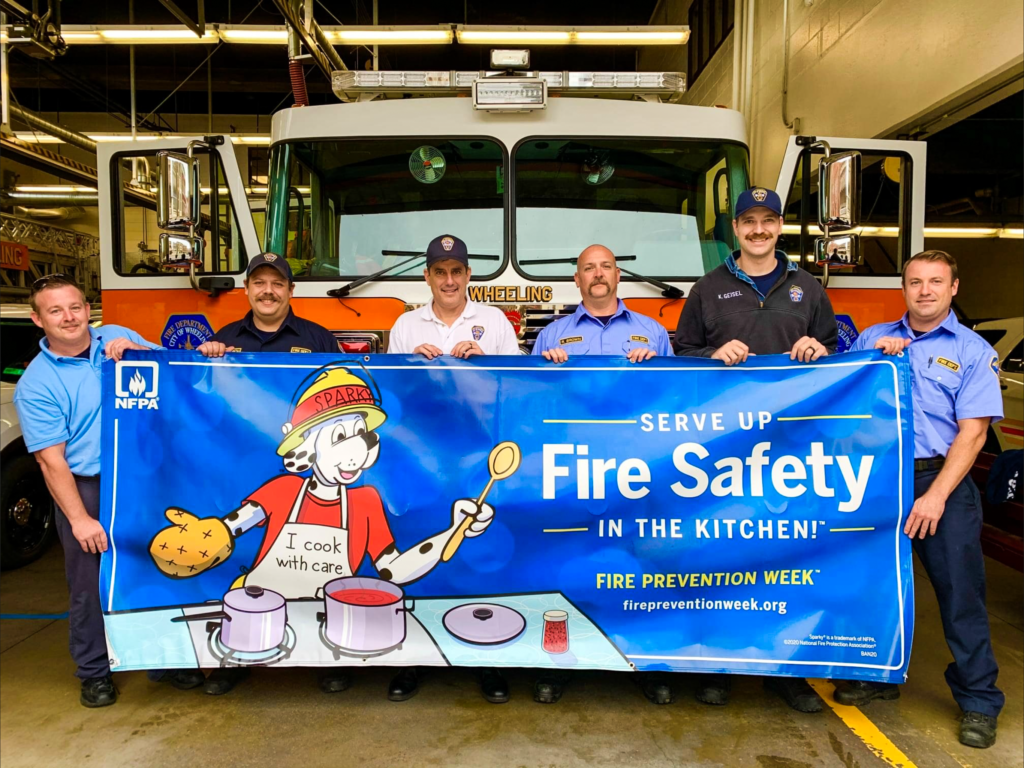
x,y
363,614
253,619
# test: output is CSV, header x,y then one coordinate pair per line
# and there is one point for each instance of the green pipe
x,y
275,237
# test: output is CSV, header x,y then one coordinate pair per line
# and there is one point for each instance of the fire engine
x,y
527,168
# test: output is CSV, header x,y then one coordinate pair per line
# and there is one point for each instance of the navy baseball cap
x,y
758,197
447,247
271,260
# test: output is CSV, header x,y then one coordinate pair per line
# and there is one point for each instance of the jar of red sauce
x,y
556,631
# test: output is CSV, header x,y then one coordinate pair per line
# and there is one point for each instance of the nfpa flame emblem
x,y
137,384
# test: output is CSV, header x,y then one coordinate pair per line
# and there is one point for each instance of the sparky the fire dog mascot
x,y
317,526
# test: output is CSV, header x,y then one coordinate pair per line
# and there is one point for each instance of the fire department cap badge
x,y
447,243
271,257
760,195
478,332
796,293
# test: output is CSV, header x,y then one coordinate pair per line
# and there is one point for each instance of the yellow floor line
x,y
863,729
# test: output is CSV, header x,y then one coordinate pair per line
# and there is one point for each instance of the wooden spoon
x,y
502,462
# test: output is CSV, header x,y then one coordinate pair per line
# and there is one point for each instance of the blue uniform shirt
x,y
583,334
58,400
954,377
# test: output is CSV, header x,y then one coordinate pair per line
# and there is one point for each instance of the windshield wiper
x,y
345,290
668,291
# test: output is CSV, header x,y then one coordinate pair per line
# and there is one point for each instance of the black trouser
x,y
956,566
85,614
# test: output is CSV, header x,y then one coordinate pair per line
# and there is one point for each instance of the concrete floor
x,y
278,717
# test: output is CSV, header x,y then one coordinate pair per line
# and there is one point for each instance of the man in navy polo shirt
x,y
956,396
270,325
58,404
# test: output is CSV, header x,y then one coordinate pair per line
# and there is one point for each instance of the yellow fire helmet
x,y
333,393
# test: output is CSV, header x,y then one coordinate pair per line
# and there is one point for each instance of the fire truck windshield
x,y
348,201
665,200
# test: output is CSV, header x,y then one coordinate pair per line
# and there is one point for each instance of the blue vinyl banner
x,y
275,509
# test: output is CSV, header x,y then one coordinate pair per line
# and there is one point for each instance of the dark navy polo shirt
x,y
294,335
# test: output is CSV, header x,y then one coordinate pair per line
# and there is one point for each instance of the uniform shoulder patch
x,y
944,361
994,365
570,340
641,339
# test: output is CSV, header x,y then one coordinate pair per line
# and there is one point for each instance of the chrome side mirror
x,y
179,199
838,252
180,251
839,192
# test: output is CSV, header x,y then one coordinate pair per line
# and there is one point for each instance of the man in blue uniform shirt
x,y
601,324
270,325
956,396
58,404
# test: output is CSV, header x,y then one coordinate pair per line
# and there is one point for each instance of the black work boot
x,y
857,693
548,689
976,730
714,689
98,692
493,686
796,692
404,685
657,688
224,679
334,680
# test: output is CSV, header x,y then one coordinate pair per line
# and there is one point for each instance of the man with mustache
x,y
270,325
58,403
757,303
601,324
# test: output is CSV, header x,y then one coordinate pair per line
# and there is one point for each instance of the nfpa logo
x,y
137,384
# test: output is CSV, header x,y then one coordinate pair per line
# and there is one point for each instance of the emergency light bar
x,y
510,94
667,83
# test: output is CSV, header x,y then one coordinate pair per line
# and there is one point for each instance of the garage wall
x,y
863,68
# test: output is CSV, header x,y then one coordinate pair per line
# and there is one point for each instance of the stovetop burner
x,y
338,651
228,657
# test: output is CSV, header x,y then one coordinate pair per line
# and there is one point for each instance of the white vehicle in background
x,y
26,510
1007,337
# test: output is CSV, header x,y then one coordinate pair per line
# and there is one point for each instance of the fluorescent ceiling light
x,y
676,37
156,35
390,35
44,138
499,35
947,232
52,188
254,35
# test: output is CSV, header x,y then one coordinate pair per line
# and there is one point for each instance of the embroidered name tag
x,y
569,340
300,349
642,339
954,367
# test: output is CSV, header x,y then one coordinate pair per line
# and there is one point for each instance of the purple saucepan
x,y
253,619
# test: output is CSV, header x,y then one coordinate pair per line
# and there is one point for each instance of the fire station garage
x,y
659,400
